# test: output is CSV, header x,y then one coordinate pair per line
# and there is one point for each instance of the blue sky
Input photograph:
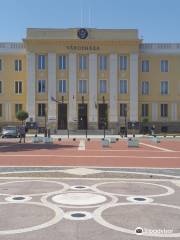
x,y
157,20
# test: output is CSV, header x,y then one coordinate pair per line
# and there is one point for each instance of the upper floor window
x,y
18,107
164,66
41,86
123,63
62,86
123,109
103,86
41,109
164,88
0,64
82,86
1,87
62,62
164,110
145,110
145,65
82,62
123,87
0,109
18,65
145,88
18,87
41,62
102,62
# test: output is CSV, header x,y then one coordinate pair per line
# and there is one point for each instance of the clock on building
x,y
82,33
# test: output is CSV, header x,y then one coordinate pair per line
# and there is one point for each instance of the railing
x,y
12,45
161,46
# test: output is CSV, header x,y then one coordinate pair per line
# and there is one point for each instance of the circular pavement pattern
x,y
32,187
79,199
26,217
123,217
133,189
78,216
18,198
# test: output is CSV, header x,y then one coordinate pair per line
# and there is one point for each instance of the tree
x,y
22,115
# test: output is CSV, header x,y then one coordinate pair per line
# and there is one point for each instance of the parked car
x,y
9,131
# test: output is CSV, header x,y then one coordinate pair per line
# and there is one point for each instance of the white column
x,y
31,90
174,111
72,88
113,89
92,88
51,86
154,112
134,87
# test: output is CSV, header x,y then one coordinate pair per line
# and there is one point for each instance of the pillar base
x,y
92,125
72,125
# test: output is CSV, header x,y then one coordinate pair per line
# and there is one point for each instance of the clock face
x,y
82,33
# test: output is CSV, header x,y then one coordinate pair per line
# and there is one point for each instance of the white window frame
x,y
41,66
143,88
163,66
19,65
106,90
145,68
123,62
162,92
103,64
18,81
143,110
40,103
83,62
64,82
41,87
63,61
123,92
123,103
164,111
84,89
18,104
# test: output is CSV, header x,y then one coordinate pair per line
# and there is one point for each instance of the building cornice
x,y
160,48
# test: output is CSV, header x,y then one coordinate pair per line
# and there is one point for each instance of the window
x,y
41,62
123,88
0,64
164,87
82,86
18,65
82,62
145,110
145,88
41,86
41,109
102,63
18,87
164,110
62,86
62,62
0,109
18,107
0,87
164,66
123,109
145,66
123,63
102,86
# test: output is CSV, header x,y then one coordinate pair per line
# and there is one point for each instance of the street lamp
x,y
125,120
104,120
45,121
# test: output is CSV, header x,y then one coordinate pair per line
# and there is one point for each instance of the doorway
x,y
103,116
82,116
62,116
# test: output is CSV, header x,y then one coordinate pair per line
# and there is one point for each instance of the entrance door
x,y
82,116
62,116
103,116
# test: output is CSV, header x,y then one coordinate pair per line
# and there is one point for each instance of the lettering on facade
x,y
83,48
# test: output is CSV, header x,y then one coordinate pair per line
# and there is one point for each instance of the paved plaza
x,y
76,190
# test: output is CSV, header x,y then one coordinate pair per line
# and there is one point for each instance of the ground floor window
x,y
41,109
1,110
123,109
164,110
145,110
18,107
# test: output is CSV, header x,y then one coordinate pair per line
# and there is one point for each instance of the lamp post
x,y
45,121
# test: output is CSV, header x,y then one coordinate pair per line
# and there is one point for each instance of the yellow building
x,y
90,78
